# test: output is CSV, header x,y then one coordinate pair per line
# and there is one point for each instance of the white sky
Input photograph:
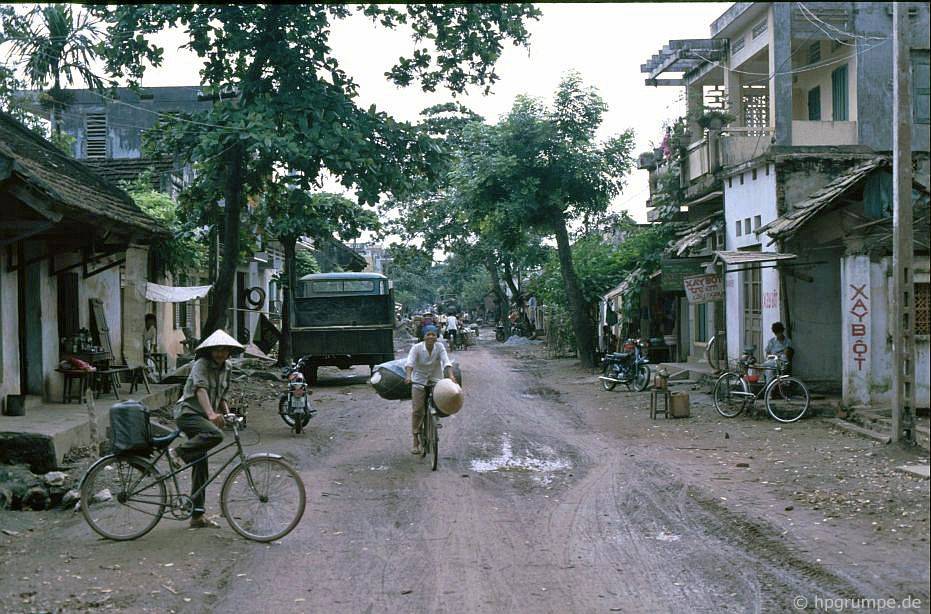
x,y
605,42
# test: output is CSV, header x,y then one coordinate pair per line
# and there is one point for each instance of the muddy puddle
x,y
539,462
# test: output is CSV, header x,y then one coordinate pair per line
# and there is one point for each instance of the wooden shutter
x,y
95,136
839,97
921,88
814,104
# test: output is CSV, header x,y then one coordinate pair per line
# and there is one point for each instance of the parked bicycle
x,y
123,496
786,397
428,433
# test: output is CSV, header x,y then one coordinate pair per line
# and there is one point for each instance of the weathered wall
x,y
9,340
134,303
815,313
805,81
874,72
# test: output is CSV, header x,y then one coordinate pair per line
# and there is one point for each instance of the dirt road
x,y
551,496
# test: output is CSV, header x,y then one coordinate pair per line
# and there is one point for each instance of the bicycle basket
x,y
129,428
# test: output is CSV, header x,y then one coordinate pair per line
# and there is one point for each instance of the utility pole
x,y
903,316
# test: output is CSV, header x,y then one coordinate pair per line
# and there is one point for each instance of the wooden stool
x,y
111,377
655,395
71,376
139,373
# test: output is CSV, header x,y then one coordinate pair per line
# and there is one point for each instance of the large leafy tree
x,y
292,212
282,100
544,168
54,44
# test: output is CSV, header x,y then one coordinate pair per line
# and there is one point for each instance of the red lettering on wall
x,y
859,309
858,330
859,291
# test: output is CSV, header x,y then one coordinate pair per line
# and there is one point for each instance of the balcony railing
x,y
815,133
739,144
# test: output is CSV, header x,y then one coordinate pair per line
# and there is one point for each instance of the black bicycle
x,y
428,434
123,496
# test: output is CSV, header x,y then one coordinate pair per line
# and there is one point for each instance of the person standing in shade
x,y
426,363
199,413
781,346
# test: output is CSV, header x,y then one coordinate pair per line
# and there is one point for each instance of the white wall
x,y
9,340
809,79
752,202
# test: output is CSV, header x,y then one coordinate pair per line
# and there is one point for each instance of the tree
x,y
288,103
543,169
53,43
292,212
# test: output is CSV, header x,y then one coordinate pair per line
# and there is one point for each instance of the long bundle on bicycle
x,y
388,380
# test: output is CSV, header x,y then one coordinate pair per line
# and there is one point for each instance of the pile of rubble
x,y
20,489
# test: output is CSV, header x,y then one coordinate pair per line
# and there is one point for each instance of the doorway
x,y
753,308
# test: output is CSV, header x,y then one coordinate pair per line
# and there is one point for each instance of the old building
x,y
74,253
789,119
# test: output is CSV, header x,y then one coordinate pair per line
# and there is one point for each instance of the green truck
x,y
341,320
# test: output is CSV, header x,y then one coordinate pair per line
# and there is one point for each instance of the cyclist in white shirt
x,y
426,363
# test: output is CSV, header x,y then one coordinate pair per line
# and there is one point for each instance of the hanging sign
x,y
703,289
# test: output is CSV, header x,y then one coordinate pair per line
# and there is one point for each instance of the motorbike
x,y
629,367
294,405
499,332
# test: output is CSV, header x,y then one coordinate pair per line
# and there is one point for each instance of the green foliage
x,y
416,278
184,252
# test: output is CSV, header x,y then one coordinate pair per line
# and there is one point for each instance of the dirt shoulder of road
x,y
837,493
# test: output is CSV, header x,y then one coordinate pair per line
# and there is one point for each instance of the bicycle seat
x,y
165,440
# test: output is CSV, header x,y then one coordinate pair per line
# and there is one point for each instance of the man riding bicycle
x,y
426,363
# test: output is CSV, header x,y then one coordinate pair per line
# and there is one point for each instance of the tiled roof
x,y
70,184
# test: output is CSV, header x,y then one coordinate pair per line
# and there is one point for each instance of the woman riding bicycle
x,y
199,412
426,363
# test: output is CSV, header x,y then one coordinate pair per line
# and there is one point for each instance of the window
x,y
741,178
738,227
814,104
737,44
767,170
95,136
730,182
920,87
839,94
814,52
754,174
746,226
923,308
757,222
759,29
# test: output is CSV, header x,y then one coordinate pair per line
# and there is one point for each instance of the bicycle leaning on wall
x,y
786,397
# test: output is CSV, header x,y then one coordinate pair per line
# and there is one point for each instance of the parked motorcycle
x,y
629,367
294,405
499,332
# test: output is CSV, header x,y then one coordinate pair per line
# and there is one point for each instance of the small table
x,y
83,379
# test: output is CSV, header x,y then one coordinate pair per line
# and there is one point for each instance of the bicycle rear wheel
x,y
263,499
121,497
787,399
730,395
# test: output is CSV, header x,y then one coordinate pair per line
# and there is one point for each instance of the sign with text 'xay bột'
x,y
703,289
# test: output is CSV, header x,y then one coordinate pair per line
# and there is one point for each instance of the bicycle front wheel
x,y
787,399
611,371
434,439
730,395
263,499
122,498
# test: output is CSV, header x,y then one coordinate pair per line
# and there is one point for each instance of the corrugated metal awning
x,y
750,257
697,234
706,198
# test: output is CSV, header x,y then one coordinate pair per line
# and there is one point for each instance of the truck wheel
x,y
310,374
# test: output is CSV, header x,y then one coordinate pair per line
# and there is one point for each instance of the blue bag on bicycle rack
x,y
130,430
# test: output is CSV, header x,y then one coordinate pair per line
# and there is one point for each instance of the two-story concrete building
x,y
800,157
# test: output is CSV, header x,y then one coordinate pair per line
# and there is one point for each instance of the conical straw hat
x,y
219,338
447,396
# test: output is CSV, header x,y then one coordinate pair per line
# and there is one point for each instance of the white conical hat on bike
x,y
219,338
447,395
